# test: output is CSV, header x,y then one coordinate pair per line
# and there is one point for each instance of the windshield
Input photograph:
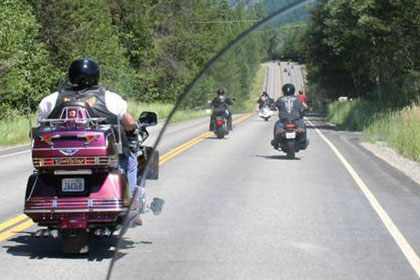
x,y
316,179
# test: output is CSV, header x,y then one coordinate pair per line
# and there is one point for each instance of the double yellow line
x,y
22,222
168,156
15,225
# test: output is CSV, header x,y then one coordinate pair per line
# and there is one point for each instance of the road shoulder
x,y
409,167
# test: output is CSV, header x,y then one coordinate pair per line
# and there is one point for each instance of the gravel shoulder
x,y
408,167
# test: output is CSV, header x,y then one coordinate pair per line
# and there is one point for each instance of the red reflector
x,y
219,122
48,162
89,138
46,139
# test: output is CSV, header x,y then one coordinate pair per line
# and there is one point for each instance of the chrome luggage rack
x,y
73,115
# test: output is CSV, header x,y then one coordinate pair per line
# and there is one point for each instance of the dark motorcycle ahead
x,y
291,138
77,190
220,125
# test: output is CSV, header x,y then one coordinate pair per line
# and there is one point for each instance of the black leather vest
x,y
289,107
94,97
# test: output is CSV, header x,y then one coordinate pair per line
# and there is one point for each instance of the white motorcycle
x,y
265,113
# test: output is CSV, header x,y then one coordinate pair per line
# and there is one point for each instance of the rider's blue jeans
x,y
129,164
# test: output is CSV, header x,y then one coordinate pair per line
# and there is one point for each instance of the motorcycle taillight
x,y
219,122
290,125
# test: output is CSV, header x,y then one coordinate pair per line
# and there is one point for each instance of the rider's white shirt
x,y
114,103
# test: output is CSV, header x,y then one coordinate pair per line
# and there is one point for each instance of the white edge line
x,y
15,154
399,238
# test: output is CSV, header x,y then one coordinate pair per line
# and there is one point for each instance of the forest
x,y
365,49
148,50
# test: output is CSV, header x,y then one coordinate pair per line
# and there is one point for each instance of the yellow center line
x,y
13,221
162,160
396,234
166,157
15,230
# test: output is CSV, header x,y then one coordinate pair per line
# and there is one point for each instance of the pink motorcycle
x,y
77,190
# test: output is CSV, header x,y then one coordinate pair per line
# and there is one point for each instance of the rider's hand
x,y
134,138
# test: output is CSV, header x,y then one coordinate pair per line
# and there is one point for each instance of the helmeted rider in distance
x,y
82,85
290,108
265,100
220,103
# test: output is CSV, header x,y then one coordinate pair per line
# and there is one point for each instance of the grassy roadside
x,y
256,90
399,129
163,111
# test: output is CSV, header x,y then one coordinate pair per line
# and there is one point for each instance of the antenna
x,y
120,151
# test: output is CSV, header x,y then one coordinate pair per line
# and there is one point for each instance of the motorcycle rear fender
x,y
104,201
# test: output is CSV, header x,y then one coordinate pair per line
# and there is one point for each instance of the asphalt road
x,y
237,209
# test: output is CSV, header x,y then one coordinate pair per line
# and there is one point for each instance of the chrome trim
x,y
39,162
33,188
73,172
75,199
75,119
73,210
70,148
113,184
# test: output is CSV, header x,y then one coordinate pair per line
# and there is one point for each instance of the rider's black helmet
x,y
220,92
288,89
265,93
84,73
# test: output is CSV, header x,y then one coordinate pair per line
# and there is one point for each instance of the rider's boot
x,y
138,207
275,144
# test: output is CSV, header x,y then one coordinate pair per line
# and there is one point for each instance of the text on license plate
x,y
73,185
290,135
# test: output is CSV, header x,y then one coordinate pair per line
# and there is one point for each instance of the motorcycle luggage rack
x,y
73,115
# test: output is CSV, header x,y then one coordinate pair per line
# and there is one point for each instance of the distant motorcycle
x,y
291,139
220,125
265,113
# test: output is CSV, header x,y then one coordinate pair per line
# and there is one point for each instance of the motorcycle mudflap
x,y
153,173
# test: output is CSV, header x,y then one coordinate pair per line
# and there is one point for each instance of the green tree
x,y
83,28
25,74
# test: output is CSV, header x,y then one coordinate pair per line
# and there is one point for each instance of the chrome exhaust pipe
x,y
54,233
39,233
106,232
42,233
46,233
98,232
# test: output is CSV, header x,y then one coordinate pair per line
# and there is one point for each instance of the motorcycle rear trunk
x,y
77,186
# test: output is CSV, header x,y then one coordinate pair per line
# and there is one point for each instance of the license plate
x,y
73,185
290,135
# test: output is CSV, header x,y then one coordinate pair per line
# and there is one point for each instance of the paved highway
x,y
237,209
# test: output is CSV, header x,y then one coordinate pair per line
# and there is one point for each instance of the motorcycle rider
x,y
82,84
289,107
221,102
265,100
302,96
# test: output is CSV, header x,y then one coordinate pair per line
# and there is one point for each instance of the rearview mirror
x,y
148,119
